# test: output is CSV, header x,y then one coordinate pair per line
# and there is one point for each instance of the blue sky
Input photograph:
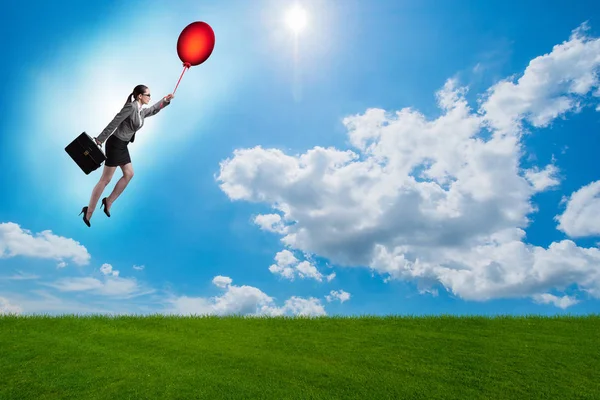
x,y
406,158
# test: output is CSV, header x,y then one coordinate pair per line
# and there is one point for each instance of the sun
x,y
296,19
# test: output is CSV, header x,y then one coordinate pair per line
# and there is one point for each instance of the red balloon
x,y
196,43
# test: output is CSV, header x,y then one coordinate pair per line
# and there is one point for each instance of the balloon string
x,y
185,66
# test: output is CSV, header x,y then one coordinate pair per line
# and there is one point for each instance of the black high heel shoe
x,y
84,212
104,206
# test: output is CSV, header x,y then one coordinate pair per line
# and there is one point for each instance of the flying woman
x,y
125,124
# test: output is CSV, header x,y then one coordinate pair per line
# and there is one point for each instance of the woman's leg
x,y
107,174
121,184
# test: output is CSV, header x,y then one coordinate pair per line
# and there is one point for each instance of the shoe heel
x,y
84,210
103,206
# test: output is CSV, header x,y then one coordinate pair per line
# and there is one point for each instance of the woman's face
x,y
145,97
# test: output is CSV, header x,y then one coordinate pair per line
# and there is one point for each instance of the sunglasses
x,y
146,94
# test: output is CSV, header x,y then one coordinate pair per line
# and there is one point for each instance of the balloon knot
x,y
187,64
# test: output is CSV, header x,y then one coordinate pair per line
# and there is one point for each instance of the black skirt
x,y
116,152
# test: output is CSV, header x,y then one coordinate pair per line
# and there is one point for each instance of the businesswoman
x,y
123,128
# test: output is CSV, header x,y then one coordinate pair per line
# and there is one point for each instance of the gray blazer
x,y
127,122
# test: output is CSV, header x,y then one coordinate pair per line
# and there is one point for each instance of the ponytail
x,y
139,89
129,100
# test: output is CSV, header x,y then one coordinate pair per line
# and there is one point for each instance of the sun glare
x,y
296,19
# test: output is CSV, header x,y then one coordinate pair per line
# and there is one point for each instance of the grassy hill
x,y
168,357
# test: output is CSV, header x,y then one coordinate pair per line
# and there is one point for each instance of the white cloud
x,y
561,302
285,259
20,276
543,179
552,85
289,267
241,300
307,270
270,222
138,267
186,305
305,307
43,302
110,285
582,214
77,284
508,268
107,269
340,295
221,281
8,308
244,300
15,241
432,200
424,289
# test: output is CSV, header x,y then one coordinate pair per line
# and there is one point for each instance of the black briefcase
x,y
86,153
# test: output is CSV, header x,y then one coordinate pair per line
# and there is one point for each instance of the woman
x,y
123,128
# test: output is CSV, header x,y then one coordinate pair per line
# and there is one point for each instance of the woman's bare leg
x,y
121,184
107,174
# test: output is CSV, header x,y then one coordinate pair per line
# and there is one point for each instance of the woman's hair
x,y
139,89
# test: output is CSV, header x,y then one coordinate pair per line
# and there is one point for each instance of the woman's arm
x,y
156,107
120,117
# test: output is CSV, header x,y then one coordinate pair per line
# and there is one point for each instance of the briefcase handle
x,y
88,153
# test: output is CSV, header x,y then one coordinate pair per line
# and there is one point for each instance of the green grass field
x,y
168,357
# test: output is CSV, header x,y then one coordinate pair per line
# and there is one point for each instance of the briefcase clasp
x,y
85,153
